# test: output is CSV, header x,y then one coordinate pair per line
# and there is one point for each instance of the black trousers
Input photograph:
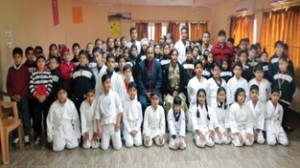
x,y
40,112
286,111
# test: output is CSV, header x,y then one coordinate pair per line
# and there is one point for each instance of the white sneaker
x,y
27,139
37,141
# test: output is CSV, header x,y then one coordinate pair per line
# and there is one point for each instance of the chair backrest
x,y
12,105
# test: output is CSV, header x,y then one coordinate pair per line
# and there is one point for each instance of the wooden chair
x,y
6,126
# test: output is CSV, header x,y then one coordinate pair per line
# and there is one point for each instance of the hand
x,y
240,137
249,137
219,134
14,98
148,95
147,140
255,134
86,137
226,134
175,93
176,141
117,127
180,142
18,97
211,135
95,137
202,137
133,133
99,132
160,139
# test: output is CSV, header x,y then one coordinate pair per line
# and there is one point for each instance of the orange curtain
x,y
174,29
283,25
242,27
142,30
157,31
197,30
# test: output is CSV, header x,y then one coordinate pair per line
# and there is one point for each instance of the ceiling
x,y
204,3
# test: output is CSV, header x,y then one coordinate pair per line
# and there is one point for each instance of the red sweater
x,y
17,82
220,52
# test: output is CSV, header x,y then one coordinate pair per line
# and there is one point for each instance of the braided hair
x,y
205,103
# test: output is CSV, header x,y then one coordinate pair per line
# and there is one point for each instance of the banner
x,y
55,12
77,15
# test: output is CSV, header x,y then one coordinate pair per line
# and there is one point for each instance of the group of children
x,y
92,99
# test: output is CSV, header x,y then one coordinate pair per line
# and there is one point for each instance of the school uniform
x,y
164,62
274,66
66,69
204,124
226,75
222,122
207,71
212,90
247,72
99,72
258,114
132,120
31,66
88,123
240,121
107,109
176,125
154,125
232,86
265,67
63,128
274,130
188,67
264,89
180,46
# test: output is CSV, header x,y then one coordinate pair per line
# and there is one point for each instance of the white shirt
x,y
176,127
154,121
273,117
258,114
87,114
264,89
222,115
240,118
108,107
202,123
181,50
193,86
213,90
233,84
97,73
132,115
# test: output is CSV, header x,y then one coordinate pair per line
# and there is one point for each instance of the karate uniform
x,y
264,89
274,130
233,84
258,114
213,90
132,120
203,124
154,125
107,109
176,125
192,88
240,120
222,122
63,127
88,123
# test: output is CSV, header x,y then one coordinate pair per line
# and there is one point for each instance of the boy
x,y
188,65
108,116
262,83
127,76
247,69
88,121
252,59
176,124
40,87
75,50
258,113
63,128
100,69
154,123
274,115
30,59
132,118
237,81
17,85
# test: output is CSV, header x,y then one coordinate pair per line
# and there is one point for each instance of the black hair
x,y
52,45
174,49
216,65
123,37
96,49
205,103
258,45
198,62
188,49
148,47
254,47
184,28
132,29
53,57
90,90
243,52
238,64
116,39
126,67
206,32
84,52
227,62
75,45
28,49
264,52
220,104
132,85
231,40
242,40
177,100
254,87
170,35
110,56
133,46
121,56
279,43
284,58
198,41
61,88
285,46
205,57
97,39
154,94
104,78
275,89
17,50
164,37
237,92
222,33
39,48
258,67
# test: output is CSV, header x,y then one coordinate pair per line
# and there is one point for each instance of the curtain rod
x,y
166,21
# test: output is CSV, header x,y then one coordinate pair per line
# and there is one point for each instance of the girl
x,y
127,76
176,124
166,55
207,68
263,61
195,52
157,54
221,111
214,84
247,70
203,121
188,65
240,120
226,73
87,113
154,123
89,49
53,51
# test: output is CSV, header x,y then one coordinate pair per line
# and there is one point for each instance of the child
x,y
188,65
75,50
132,118
176,125
247,69
221,112
274,115
240,120
108,116
210,61
83,79
258,113
236,82
195,53
166,55
196,83
154,123
88,124
40,87
127,76
262,83
121,65
53,51
30,59
157,54
100,69
252,59
66,68
284,81
214,84
63,128
263,61
207,68
17,85
226,73
203,121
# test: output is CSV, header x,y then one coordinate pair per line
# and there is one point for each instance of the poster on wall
x,y
55,12
77,15
115,20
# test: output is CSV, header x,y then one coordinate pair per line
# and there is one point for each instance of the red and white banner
x,y
55,12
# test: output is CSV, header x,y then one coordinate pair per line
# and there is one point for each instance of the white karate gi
x,y
154,125
203,124
63,127
88,123
274,130
132,119
192,88
222,122
233,84
181,50
176,128
264,89
240,120
213,89
99,73
107,109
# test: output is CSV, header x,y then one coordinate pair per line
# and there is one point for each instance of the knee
x,y
129,143
271,142
138,142
58,148
118,146
104,146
